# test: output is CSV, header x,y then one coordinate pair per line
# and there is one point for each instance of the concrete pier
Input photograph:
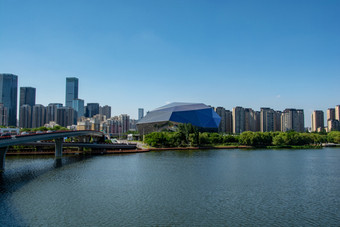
x,y
3,151
58,148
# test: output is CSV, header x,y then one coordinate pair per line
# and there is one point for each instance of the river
x,y
174,188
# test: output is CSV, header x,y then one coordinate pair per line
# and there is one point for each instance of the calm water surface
x,y
175,188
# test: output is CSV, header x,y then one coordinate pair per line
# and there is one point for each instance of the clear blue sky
x,y
131,54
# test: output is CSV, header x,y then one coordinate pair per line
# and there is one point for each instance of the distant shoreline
x,y
70,152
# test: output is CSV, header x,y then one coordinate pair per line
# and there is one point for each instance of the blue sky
x,y
131,54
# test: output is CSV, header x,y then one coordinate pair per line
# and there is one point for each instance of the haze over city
x,y
131,54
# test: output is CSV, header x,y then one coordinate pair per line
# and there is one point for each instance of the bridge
x,y
56,136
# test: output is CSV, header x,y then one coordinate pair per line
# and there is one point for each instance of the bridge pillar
x,y
3,151
58,148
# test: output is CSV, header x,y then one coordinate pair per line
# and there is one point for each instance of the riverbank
x,y
149,149
70,152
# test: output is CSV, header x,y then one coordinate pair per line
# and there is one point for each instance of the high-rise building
x,y
140,113
105,110
25,116
65,116
222,113
71,90
238,120
3,115
38,116
330,114
133,124
267,120
125,122
52,111
229,122
333,125
292,119
92,109
277,120
317,120
249,123
79,108
27,96
257,121
301,122
337,112
9,96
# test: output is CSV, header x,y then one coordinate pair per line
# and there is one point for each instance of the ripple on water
x,y
201,188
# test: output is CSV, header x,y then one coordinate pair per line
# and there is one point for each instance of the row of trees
x,y
188,135
43,128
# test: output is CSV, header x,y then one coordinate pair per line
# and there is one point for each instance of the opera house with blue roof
x,y
169,116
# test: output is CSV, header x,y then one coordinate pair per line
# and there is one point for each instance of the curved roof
x,y
197,114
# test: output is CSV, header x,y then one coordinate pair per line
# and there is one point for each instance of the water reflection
x,y
20,171
58,163
186,188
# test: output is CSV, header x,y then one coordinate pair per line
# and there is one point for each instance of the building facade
x,y
79,108
105,110
222,113
52,111
65,116
330,114
3,115
140,113
9,96
238,120
317,120
292,119
25,116
71,90
27,96
337,112
92,109
38,116
267,120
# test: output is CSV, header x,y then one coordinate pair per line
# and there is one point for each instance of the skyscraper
x,y
292,119
27,96
52,111
330,114
65,116
92,109
267,120
238,120
337,112
222,113
140,113
9,96
229,121
3,115
71,90
38,116
25,116
249,120
317,120
124,122
78,106
26,99
105,110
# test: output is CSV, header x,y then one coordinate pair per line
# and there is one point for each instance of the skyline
x,y
275,54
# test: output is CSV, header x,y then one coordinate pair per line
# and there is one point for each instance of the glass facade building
x,y
140,113
92,109
78,106
9,96
27,96
71,90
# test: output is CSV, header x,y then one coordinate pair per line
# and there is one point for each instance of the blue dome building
x,y
169,116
